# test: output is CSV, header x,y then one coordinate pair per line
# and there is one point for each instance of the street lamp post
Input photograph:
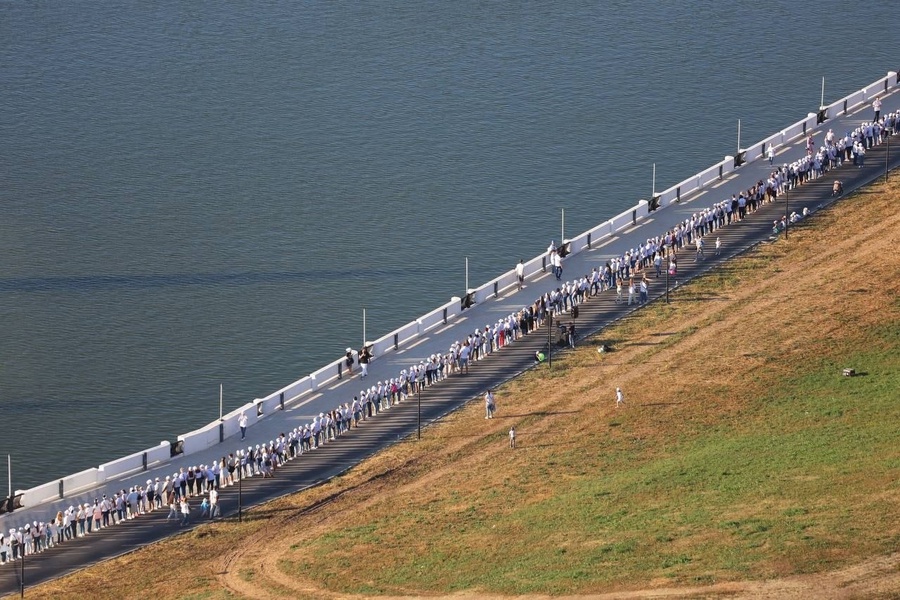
x,y
240,493
550,339
668,268
22,580
419,397
787,201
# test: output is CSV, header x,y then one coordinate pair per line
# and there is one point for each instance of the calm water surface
x,y
203,193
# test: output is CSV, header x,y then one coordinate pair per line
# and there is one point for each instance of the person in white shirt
x,y
520,273
214,504
185,511
876,105
620,398
489,404
242,423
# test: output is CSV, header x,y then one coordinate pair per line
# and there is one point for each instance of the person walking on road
x,y
876,105
520,274
242,423
620,398
489,405
364,357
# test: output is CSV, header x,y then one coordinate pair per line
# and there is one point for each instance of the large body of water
x,y
202,193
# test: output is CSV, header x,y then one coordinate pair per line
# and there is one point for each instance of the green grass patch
x,y
783,484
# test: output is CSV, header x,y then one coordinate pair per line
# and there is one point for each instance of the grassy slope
x,y
742,454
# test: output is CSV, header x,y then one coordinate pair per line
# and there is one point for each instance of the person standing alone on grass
x,y
512,437
620,398
489,404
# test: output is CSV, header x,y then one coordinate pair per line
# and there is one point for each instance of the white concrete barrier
x,y
431,320
47,492
835,109
687,187
385,344
159,454
506,281
325,375
120,467
643,210
453,308
408,332
72,484
811,122
876,88
855,99
534,266
200,439
710,175
667,197
484,293
576,244
728,163
230,421
620,221
794,131
272,403
296,389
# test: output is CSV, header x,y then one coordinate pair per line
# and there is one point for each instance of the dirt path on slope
x,y
796,295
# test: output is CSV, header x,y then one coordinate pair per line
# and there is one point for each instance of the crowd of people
x,y
177,491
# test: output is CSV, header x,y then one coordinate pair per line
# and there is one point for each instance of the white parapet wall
x,y
296,389
159,453
47,492
407,333
72,484
621,221
121,467
200,439
431,320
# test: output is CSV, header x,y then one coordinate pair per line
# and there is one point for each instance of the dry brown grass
x,y
697,366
